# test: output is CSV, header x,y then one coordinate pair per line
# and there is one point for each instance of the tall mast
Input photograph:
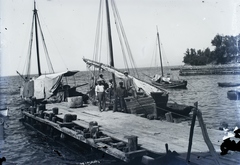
x,y
110,41
160,52
36,31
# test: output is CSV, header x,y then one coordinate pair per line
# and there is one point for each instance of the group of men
x,y
124,89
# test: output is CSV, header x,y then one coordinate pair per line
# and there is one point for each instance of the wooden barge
x,y
210,70
127,136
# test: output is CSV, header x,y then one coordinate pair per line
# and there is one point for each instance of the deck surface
x,y
152,134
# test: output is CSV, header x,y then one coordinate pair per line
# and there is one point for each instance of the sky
x,y
69,28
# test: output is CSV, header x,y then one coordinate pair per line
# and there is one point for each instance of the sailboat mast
x,y
110,41
160,53
36,31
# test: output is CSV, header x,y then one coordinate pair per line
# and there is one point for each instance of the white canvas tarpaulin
x,y
28,89
45,85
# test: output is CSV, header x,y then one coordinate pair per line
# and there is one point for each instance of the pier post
x,y
67,118
169,117
34,102
55,110
132,143
93,129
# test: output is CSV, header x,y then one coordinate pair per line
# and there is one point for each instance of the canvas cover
x,y
44,86
28,89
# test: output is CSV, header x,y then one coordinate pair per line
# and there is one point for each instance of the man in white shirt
x,y
100,94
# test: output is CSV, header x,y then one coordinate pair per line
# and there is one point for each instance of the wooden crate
x,y
142,105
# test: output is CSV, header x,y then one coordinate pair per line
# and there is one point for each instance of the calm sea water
x,y
24,146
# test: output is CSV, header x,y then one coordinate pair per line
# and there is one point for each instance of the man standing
x,y
100,94
128,84
119,98
110,89
101,78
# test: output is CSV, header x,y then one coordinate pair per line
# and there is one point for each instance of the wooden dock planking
x,y
152,134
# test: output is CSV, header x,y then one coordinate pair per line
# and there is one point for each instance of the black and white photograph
x,y
120,82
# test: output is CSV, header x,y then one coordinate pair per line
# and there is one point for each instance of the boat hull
x,y
160,100
179,110
228,84
233,95
173,84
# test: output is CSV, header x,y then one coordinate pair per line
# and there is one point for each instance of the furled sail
x,y
139,84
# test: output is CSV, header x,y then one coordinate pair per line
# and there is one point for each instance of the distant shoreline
x,y
226,69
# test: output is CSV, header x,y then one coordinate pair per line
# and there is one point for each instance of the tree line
x,y
227,49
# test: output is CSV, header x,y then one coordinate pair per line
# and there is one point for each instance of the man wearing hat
x,y
101,78
128,84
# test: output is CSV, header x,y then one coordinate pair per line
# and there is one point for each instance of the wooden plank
x,y
152,134
142,105
105,139
146,109
137,153
68,124
112,151
48,112
139,101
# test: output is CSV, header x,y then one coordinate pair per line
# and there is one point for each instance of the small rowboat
x,y
233,95
4,111
228,84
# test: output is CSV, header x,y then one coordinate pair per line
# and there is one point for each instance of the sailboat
x,y
157,94
160,96
166,81
47,87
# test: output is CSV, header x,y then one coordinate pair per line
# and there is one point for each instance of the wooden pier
x,y
210,70
138,136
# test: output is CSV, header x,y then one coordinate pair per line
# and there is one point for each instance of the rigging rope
x,y
55,45
108,49
119,23
121,34
27,64
98,38
156,56
50,67
121,42
95,53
